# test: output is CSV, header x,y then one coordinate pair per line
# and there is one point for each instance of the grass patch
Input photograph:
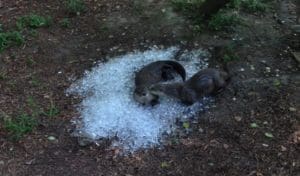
x,y
15,38
229,54
52,111
3,75
254,5
189,8
187,5
65,23
33,21
235,4
33,33
30,62
25,122
19,126
35,82
9,39
221,20
249,5
75,6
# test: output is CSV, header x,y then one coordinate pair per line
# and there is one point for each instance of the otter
x,y
205,82
153,73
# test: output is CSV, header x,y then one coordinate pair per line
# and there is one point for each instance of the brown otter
x,y
205,82
153,73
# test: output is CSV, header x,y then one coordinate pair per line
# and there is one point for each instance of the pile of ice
x,y
109,111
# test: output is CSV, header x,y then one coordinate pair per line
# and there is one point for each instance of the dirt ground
x,y
264,91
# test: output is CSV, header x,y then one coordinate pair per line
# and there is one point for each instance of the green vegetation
x,y
187,5
52,111
75,6
33,21
33,33
35,81
3,75
254,5
186,125
221,20
34,107
234,4
277,83
19,126
190,8
65,23
26,122
229,54
253,125
269,135
249,5
30,62
15,38
164,164
8,39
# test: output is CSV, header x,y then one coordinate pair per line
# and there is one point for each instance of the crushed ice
x,y
109,111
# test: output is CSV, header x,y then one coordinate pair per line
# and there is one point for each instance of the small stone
x,y
253,125
269,135
296,56
252,67
292,109
83,141
226,146
51,138
268,69
296,28
29,162
242,69
238,118
2,162
164,164
200,130
265,145
234,99
186,125
283,148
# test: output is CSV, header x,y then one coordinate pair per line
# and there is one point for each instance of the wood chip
x,y
296,56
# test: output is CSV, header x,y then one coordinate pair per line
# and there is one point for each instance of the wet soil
x,y
264,90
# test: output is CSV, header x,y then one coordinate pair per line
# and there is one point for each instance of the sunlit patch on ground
x,y
108,110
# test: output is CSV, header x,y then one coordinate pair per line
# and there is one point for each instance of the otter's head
x,y
157,89
145,97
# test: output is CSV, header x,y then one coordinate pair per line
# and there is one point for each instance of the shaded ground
x,y
264,90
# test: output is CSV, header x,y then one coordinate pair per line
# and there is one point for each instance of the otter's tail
x,y
177,67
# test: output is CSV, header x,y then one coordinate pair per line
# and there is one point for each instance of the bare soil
x,y
221,143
